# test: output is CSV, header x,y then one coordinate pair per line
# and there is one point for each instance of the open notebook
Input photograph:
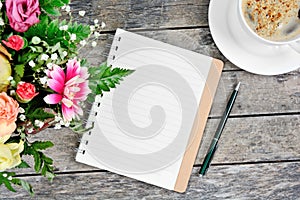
x,y
149,128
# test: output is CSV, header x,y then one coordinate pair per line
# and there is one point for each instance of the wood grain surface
x,y
259,152
249,181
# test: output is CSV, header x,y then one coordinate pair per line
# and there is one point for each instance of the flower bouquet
x,y
43,82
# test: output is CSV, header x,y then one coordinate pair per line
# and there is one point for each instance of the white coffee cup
x,y
292,42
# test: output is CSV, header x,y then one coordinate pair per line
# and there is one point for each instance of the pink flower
x,y
71,88
9,109
14,42
25,92
22,13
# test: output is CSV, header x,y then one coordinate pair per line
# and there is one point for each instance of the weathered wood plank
x,y
259,181
259,94
243,140
254,139
143,14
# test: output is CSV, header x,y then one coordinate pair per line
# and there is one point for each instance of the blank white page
x,y
142,127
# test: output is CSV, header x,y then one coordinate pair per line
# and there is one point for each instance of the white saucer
x,y
243,50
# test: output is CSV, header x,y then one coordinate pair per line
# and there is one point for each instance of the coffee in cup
x,y
273,20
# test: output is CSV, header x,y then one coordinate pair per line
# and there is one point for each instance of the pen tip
x,y
238,86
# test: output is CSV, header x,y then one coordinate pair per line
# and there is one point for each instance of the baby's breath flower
x,y
4,175
92,28
44,80
10,78
54,56
12,92
50,66
9,178
1,22
39,123
68,9
57,118
63,28
96,21
30,130
44,57
57,126
67,124
103,25
64,53
82,42
73,37
31,63
96,34
94,43
22,117
81,13
20,129
21,110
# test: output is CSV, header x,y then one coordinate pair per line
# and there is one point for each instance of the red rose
x,y
25,92
14,42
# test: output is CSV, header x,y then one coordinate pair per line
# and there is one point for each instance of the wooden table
x,y
259,152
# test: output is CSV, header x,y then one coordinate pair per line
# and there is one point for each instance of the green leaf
x,y
40,114
5,178
34,104
52,11
37,161
27,187
65,1
81,31
42,163
102,86
23,164
40,145
19,69
50,175
24,184
57,3
38,29
51,6
103,78
47,159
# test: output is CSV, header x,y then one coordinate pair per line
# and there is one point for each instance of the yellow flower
x,y
5,68
10,153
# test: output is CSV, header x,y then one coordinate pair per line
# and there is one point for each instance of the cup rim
x,y
240,10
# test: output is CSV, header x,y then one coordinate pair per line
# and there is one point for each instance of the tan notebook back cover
x,y
199,125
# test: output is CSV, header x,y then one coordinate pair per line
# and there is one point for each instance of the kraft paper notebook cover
x,y
149,128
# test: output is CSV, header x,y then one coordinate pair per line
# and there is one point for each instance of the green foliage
x,y
50,32
23,164
81,31
24,184
40,114
42,163
104,77
19,71
7,179
78,127
51,6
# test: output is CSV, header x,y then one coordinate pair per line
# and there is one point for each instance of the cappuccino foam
x,y
275,20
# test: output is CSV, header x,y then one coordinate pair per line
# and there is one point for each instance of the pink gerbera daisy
x,y
71,88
